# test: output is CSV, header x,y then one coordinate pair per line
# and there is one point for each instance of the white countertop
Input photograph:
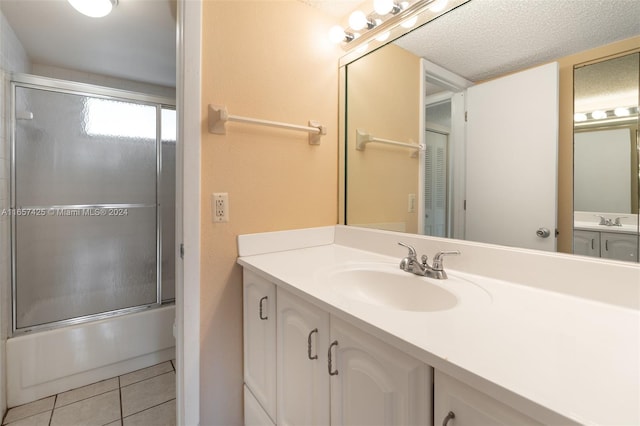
x,y
590,226
579,358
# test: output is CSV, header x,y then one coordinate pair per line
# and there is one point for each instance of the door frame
x,y
455,85
188,106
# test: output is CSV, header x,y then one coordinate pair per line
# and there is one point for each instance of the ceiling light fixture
x,y
94,8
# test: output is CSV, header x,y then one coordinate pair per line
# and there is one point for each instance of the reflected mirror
x,y
463,128
606,158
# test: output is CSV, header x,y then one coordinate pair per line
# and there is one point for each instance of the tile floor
x,y
145,397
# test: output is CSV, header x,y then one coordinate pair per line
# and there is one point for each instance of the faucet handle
x,y
617,222
412,251
437,259
603,221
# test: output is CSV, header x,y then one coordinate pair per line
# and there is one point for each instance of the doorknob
x,y
543,232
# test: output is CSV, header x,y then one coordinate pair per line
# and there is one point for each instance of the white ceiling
x,y
137,41
486,38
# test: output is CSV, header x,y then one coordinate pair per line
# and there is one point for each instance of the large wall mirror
x,y
464,127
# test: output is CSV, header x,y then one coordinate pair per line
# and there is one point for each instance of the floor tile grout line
x,y
147,409
30,415
120,394
84,399
53,409
148,378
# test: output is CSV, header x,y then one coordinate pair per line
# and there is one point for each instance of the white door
x,y
436,183
373,383
512,156
303,378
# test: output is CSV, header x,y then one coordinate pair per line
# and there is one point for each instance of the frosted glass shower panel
x,y
80,150
77,262
168,202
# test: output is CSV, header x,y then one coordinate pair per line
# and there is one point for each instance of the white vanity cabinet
x,y
457,404
305,367
259,312
303,380
586,243
619,246
608,245
375,383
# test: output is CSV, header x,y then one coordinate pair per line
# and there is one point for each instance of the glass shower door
x,y
84,206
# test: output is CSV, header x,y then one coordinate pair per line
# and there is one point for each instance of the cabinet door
x,y
373,383
619,246
260,340
254,414
586,243
303,380
457,404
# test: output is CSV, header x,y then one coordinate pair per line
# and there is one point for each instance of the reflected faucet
x,y
607,221
412,265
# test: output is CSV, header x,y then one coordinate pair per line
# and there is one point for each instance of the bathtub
x,y
48,362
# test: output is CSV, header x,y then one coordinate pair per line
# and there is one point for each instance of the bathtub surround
x,y
50,362
283,68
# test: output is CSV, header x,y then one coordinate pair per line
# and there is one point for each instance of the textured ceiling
x,y
137,41
483,39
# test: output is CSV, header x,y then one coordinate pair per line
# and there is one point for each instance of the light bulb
x,y
357,20
336,34
409,22
382,7
93,8
580,116
438,6
384,36
621,112
599,115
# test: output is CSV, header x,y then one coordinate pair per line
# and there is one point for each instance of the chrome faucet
x,y
412,265
606,221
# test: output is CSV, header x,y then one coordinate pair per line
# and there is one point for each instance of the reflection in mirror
x,y
417,91
606,158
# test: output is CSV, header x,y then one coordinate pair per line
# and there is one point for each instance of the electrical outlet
x,y
411,203
220,207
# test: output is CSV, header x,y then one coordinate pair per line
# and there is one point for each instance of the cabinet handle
x,y
606,245
263,317
593,240
315,330
331,372
450,416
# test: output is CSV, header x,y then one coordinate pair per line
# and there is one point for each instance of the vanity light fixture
x,y
359,20
94,8
579,116
619,115
621,112
385,18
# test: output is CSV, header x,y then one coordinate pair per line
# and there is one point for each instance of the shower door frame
x,y
83,89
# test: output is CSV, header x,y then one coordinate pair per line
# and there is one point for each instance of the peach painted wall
x,y
383,92
269,60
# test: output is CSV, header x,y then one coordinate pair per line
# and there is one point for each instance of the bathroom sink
x,y
382,285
